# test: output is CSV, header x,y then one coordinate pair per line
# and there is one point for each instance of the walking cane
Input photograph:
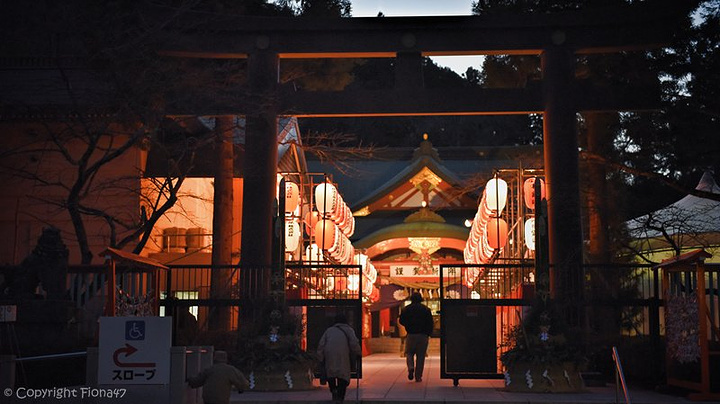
x,y
357,383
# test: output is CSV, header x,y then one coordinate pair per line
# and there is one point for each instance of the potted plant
x,y
270,353
541,355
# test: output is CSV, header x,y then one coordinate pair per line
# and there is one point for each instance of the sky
x,y
400,8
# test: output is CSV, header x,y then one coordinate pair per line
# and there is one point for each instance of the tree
x,y
110,103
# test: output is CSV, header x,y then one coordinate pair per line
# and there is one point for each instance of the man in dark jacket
x,y
418,321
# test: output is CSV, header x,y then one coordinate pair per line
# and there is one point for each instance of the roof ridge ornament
x,y
424,214
426,149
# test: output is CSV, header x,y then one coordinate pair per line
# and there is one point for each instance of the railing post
x,y
655,309
619,378
7,370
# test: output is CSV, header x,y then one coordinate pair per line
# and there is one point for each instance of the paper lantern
x,y
311,219
292,196
530,233
292,235
497,233
353,282
375,294
367,286
325,233
313,253
341,283
529,192
326,198
278,178
496,195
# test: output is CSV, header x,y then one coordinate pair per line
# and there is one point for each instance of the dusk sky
x,y
398,8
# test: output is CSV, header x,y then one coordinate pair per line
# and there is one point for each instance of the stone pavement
x,y
385,381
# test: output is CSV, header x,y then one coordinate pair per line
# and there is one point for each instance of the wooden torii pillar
x,y
260,168
562,178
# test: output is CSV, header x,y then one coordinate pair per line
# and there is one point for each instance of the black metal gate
x,y
319,292
478,306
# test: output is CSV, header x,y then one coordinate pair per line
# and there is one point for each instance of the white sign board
x,y
8,314
134,350
415,271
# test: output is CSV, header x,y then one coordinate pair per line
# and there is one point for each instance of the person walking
x,y
418,321
337,349
217,380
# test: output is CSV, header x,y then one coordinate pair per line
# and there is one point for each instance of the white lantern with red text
x,y
529,192
292,196
292,235
326,198
530,233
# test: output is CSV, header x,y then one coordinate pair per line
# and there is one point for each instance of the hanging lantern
x,y
326,198
325,234
529,191
341,283
367,286
292,196
313,253
311,219
292,235
497,233
496,195
375,294
530,233
353,282
278,178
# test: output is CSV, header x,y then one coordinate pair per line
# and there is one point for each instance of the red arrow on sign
x,y
129,350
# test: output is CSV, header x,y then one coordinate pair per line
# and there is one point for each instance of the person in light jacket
x,y
218,380
337,347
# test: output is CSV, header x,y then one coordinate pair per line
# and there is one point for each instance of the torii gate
x,y
557,38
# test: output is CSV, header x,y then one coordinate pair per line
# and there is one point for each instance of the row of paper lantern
x,y
496,193
330,238
331,224
352,284
368,269
488,232
330,205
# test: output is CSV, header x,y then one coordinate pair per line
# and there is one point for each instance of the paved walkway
x,y
385,381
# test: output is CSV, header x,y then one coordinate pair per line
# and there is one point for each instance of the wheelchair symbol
x,y
135,330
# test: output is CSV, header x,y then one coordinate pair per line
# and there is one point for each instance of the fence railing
x,y
619,378
632,290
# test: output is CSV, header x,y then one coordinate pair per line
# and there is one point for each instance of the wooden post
x,y
260,168
111,285
703,331
562,179
220,281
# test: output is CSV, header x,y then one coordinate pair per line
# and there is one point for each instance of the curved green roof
x,y
414,229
